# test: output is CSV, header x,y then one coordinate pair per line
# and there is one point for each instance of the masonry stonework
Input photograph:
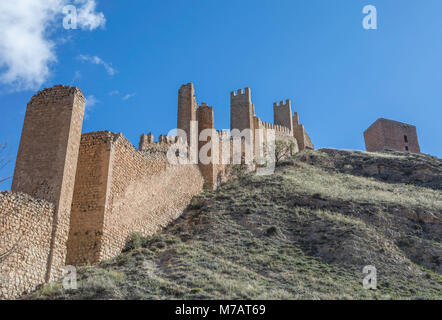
x,y
242,110
283,114
145,141
187,108
145,194
206,122
25,243
301,135
89,199
391,134
47,159
121,190
78,197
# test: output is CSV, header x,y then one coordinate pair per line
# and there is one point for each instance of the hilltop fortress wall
x,y
120,190
76,198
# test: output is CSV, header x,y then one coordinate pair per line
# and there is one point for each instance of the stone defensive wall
x,y
281,134
25,243
76,198
120,190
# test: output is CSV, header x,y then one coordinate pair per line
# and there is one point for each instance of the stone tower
x,y
47,159
206,121
282,114
301,135
241,110
187,107
384,133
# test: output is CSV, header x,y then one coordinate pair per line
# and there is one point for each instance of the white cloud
x,y
90,103
77,76
26,50
128,96
97,60
87,18
124,97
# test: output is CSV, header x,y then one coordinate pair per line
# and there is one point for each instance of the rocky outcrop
x,y
388,166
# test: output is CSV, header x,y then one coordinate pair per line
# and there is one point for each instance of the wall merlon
x,y
242,94
281,103
145,141
296,119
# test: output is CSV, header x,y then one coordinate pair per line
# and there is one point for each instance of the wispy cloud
x,y
124,97
77,76
128,96
26,51
91,101
97,60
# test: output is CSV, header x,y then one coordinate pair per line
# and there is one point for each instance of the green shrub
x,y
135,241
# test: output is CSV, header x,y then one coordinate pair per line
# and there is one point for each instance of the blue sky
x,y
339,76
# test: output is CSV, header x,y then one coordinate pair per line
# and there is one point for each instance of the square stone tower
x,y
206,121
47,159
384,133
242,110
282,114
187,108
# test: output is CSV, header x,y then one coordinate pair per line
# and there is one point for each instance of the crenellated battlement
x,y
241,94
279,130
282,114
282,104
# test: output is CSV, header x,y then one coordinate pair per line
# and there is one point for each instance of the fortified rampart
x,y
120,190
77,197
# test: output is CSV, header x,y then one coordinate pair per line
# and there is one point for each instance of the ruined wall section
x,y
25,242
47,159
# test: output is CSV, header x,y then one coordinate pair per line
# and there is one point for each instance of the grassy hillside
x,y
305,232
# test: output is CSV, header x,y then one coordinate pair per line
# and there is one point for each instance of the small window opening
x,y
406,148
405,138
